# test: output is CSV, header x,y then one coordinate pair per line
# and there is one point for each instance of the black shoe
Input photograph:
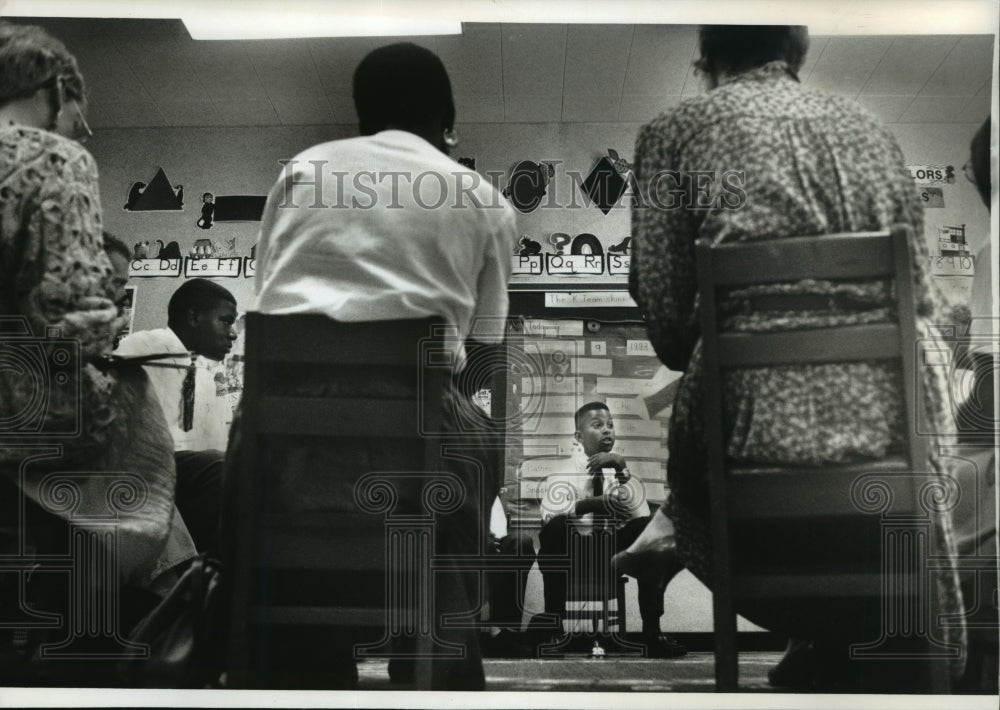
x,y
663,646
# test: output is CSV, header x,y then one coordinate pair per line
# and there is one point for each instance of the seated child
x,y
601,492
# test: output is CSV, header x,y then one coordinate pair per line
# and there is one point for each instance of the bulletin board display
x,y
557,365
560,260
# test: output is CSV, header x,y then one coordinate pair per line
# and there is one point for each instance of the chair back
x,y
312,386
791,502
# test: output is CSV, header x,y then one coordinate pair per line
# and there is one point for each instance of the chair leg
x,y
724,617
726,653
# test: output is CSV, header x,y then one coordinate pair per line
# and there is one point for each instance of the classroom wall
x,y
233,161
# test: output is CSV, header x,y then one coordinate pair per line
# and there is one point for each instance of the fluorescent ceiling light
x,y
312,18
221,24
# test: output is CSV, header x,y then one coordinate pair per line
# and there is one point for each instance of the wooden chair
x,y
848,496
306,569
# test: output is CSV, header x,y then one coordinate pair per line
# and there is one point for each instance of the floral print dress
x,y
803,162
55,284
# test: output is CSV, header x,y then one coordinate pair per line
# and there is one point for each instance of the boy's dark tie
x,y
598,483
187,391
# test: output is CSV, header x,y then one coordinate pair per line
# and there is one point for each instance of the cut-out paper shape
x,y
621,165
239,208
470,163
226,249
622,247
207,211
202,249
169,251
559,240
604,185
528,246
586,244
527,184
157,196
134,193
140,250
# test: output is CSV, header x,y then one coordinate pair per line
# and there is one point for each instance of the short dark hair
x,y
31,59
980,159
589,406
114,245
738,48
197,295
402,84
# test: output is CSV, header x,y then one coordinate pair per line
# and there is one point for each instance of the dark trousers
x,y
199,495
506,586
554,544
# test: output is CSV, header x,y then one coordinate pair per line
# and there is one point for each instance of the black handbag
x,y
182,634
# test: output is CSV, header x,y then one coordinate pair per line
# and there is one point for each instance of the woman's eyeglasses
x,y
81,130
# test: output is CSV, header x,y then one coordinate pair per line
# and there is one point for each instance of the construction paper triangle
x,y
158,195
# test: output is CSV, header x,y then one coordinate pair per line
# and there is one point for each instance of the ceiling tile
x,y
596,59
337,58
98,117
302,109
887,108
639,108
520,108
978,108
285,67
133,114
251,112
816,47
964,70
660,58
189,113
534,60
342,106
225,71
846,63
694,83
427,41
473,59
585,108
934,109
479,108
908,64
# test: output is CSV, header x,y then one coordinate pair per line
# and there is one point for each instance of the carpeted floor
x,y
578,672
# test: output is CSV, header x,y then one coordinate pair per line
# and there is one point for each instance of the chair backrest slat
x,y
860,255
846,344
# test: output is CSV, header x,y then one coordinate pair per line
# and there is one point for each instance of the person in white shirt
x,y
600,493
385,226
200,318
355,230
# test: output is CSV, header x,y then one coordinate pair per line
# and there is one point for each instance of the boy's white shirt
x,y
561,491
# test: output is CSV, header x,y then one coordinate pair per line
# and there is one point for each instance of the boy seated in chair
x,y
600,492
